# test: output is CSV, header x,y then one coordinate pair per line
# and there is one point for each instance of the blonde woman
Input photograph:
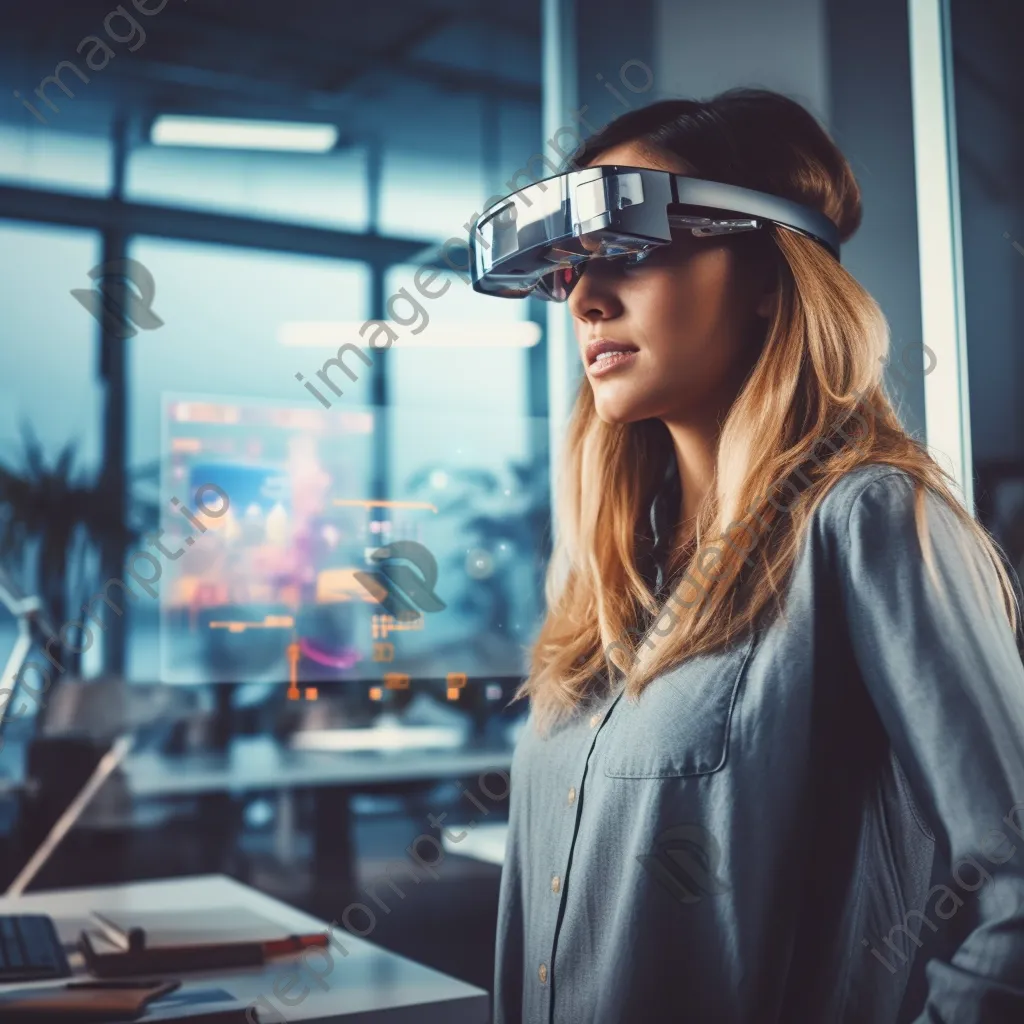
x,y
773,769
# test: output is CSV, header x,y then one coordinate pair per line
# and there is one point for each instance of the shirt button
x,y
543,972
594,719
572,793
556,884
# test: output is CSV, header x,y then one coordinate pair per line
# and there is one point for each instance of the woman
x,y
774,763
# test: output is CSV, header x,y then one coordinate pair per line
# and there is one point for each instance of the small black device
x,y
30,949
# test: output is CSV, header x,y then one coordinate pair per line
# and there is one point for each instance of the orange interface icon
x,y
294,652
456,681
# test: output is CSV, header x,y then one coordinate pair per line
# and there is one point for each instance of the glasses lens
x,y
556,286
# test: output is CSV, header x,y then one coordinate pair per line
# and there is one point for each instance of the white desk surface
x,y
261,763
485,843
368,986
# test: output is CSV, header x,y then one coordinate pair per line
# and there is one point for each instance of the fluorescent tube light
x,y
381,737
233,133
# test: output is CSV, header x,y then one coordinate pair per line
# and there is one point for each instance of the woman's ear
x,y
764,274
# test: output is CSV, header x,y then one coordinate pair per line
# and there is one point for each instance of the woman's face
x,y
690,314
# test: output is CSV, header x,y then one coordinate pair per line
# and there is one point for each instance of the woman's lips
x,y
608,364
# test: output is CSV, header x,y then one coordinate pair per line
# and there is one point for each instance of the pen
x,y
292,944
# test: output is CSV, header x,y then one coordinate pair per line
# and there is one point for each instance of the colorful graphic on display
x,y
309,579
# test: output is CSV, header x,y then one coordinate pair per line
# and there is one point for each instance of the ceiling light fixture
x,y
235,133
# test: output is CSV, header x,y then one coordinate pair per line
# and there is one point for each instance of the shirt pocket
x,y
679,725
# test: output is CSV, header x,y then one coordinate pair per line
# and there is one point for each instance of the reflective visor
x,y
534,237
538,239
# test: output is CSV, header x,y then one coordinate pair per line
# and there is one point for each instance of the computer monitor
x,y
302,554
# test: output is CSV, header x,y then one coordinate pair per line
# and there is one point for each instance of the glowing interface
x,y
312,579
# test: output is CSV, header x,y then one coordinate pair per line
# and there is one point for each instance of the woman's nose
x,y
595,291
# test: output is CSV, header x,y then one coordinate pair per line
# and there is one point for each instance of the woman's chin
x,y
620,410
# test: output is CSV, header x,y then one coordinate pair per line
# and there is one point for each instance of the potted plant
x,y
52,518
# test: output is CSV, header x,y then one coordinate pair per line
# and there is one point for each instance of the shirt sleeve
x,y
940,662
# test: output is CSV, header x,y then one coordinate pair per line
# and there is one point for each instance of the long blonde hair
x,y
820,366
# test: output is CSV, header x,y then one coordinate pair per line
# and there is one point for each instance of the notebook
x,y
188,927
131,943
200,1003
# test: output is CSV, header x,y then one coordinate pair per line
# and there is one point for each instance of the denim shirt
x,y
822,823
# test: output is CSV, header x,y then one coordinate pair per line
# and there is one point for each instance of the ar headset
x,y
537,239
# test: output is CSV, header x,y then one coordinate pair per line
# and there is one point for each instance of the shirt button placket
x,y
557,881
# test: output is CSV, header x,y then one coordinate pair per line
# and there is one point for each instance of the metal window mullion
x,y
943,322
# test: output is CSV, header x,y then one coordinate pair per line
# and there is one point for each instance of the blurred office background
x,y
292,730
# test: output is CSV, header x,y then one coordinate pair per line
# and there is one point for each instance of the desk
x,y
259,763
255,764
369,985
485,843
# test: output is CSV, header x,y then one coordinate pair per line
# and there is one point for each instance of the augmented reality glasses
x,y
537,240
